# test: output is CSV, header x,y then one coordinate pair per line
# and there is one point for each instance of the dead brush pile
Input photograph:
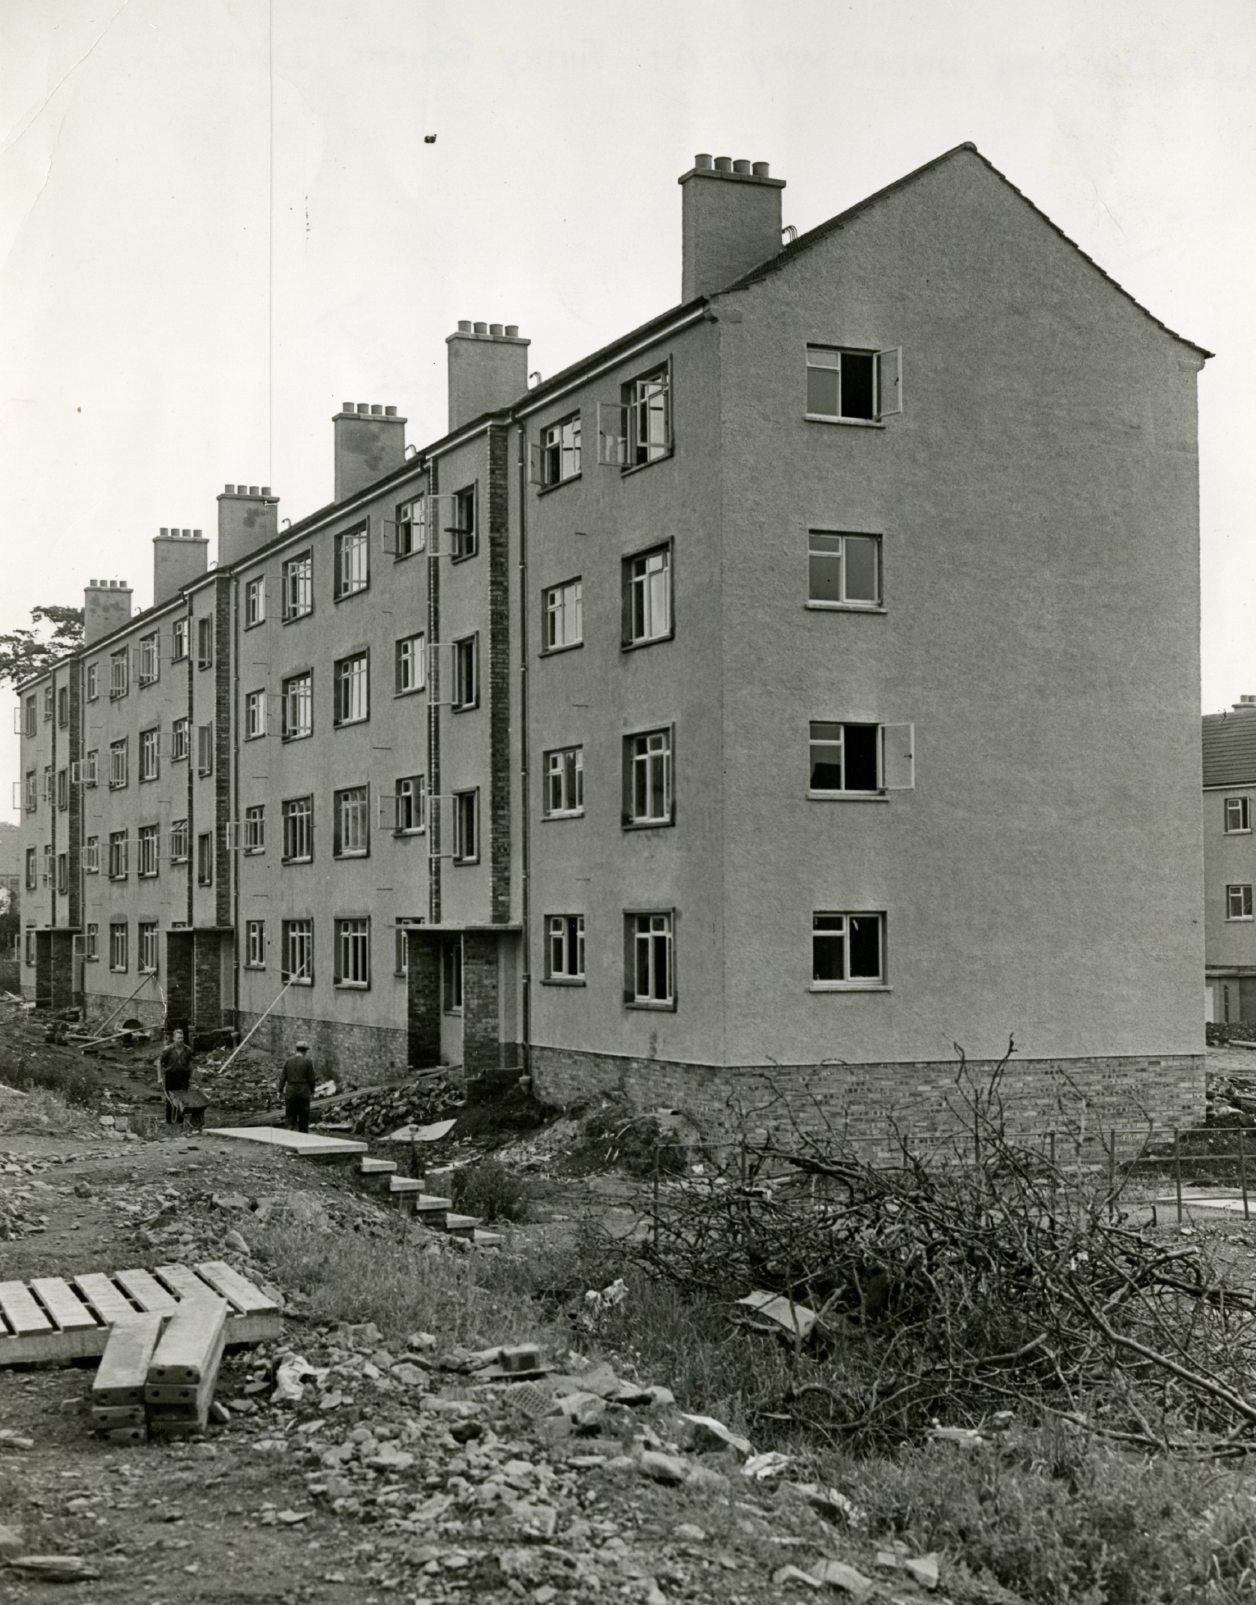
x,y
954,1292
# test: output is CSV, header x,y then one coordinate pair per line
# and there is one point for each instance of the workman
x,y
296,1087
174,1076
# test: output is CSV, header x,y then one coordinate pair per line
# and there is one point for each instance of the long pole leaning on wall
x,y
149,975
292,981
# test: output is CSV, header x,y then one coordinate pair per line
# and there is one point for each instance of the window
x,y
91,943
92,688
401,938
117,764
298,830
451,974
352,691
466,827
88,770
463,534
562,608
63,707
30,945
63,873
119,675
1238,816
255,828
560,451
179,730
255,944
409,528
848,384
297,964
255,602
32,871
410,664
648,401
179,838
843,570
298,706
205,642
50,785
205,749
353,952
150,751
564,782
150,658
564,947
31,796
178,640
846,950
48,698
205,859
31,716
648,596
351,823
146,941
650,967
410,814
298,586
466,688
63,789
91,856
117,947
1238,902
648,798
46,875
146,850
861,758
254,715
351,561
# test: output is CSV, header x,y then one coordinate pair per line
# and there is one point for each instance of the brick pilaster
x,y
423,1000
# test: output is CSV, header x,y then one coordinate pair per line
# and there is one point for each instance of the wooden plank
x,y
109,1304
183,1282
236,1289
147,1292
123,1367
20,1310
62,1303
307,1144
192,1340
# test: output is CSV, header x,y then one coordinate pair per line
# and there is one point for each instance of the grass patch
x,y
71,1082
37,1112
490,1190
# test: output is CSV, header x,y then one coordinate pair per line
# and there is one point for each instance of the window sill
x,y
254,624
411,830
563,980
453,1013
178,757
295,618
464,557
348,724
843,607
289,980
202,666
416,551
651,1006
849,986
563,813
652,462
248,966
648,824
358,852
307,860
1240,919
647,640
303,736
1246,832
459,863
410,691
352,986
849,796
256,735
183,659
849,423
253,852
347,596
557,651
571,479
463,707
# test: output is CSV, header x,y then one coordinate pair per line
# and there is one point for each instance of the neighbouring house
x,y
1229,741
803,683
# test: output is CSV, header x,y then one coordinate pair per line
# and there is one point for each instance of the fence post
x,y
654,1219
1111,1171
1243,1170
1177,1169
1055,1180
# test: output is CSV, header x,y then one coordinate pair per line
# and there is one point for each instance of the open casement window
x,y
253,835
255,602
555,458
147,659
91,855
205,748
83,773
298,586
352,561
402,931
463,531
403,810
298,707
405,534
850,384
179,839
119,677
861,759
847,950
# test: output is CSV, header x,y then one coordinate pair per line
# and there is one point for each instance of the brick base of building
x,y
98,1006
363,1053
872,1105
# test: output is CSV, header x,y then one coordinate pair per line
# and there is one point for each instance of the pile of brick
x,y
160,1384
377,1110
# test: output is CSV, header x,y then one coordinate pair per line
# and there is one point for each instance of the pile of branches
x,y
955,1292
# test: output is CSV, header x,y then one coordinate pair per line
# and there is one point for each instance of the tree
x,y
27,652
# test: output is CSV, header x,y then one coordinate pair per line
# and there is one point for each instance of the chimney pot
x,y
346,406
376,410
390,412
481,328
723,164
495,329
165,531
464,325
741,165
761,169
253,490
726,229
228,490
703,162
512,331
265,490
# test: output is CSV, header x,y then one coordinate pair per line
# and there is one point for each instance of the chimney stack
x,y
248,517
370,443
106,607
731,221
1245,704
488,369
179,557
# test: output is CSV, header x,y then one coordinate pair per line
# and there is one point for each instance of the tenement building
x,y
800,685
1230,864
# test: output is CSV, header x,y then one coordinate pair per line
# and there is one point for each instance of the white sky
x,y
137,253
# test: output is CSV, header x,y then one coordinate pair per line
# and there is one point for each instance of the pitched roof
x,y
1230,748
804,242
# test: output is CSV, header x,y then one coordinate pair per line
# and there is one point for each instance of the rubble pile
x,y
376,1111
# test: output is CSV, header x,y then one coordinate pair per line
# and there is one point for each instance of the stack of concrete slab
x,y
160,1382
